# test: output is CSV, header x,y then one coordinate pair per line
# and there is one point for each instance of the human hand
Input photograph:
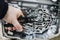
x,y
11,17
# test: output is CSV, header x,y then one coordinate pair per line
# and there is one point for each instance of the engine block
x,y
43,24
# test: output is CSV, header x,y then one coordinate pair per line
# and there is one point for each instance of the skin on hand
x,y
11,17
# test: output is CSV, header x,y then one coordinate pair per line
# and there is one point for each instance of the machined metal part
x,y
44,25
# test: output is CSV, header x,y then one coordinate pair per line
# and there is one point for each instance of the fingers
x,y
13,28
20,13
10,28
17,25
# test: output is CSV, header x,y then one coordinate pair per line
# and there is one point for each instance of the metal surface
x,y
46,21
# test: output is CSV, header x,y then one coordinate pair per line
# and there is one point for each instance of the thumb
x,y
17,25
21,14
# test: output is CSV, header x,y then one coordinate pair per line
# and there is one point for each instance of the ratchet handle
x,y
26,20
15,32
19,20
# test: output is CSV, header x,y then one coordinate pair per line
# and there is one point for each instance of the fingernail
x,y
19,30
